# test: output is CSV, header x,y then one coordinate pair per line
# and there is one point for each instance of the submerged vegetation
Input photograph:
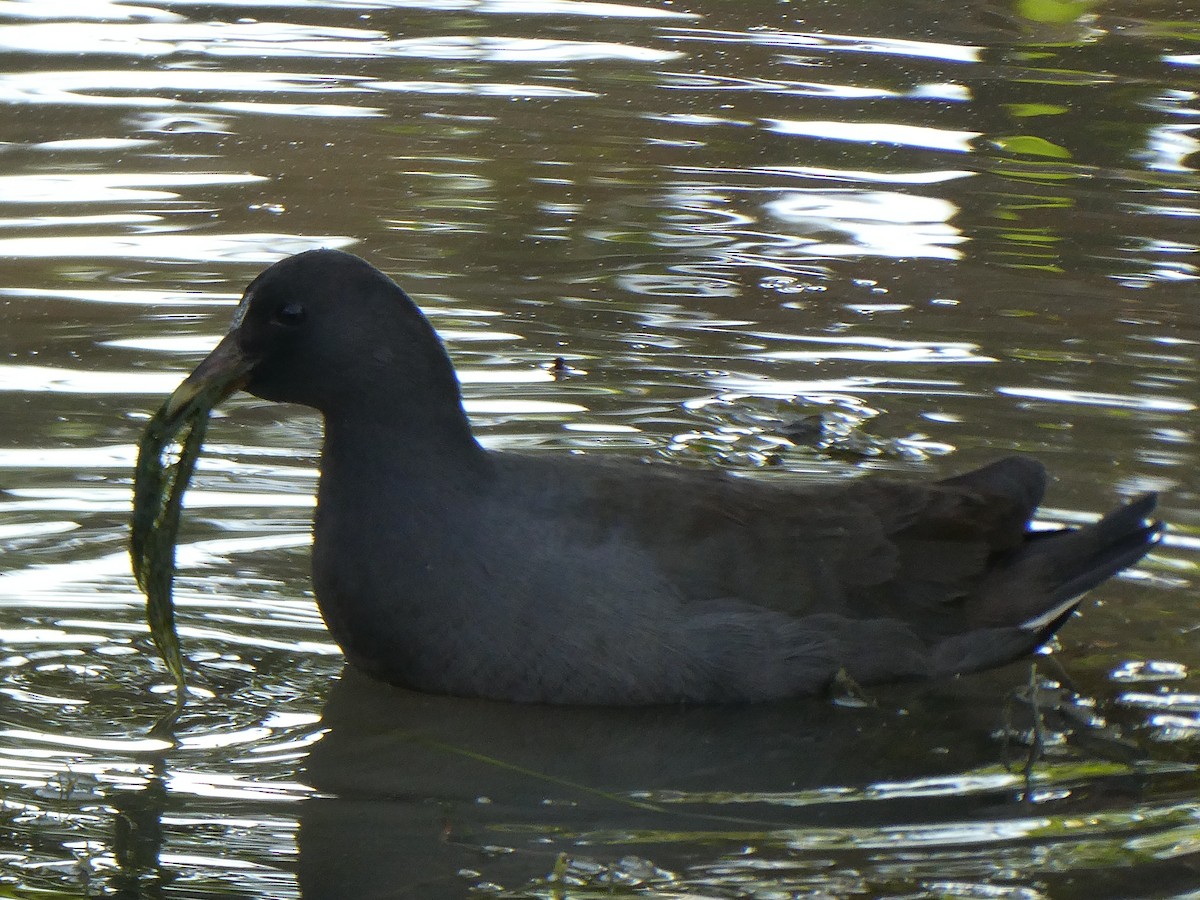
x,y
158,492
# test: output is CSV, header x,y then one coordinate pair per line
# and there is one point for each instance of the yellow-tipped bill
x,y
221,373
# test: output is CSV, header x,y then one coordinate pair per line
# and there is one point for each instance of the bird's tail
x,y
1034,594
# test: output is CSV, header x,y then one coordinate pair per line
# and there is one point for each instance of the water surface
x,y
794,240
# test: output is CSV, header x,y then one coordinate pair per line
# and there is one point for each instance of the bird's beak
x,y
220,374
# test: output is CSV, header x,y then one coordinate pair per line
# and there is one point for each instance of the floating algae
x,y
158,489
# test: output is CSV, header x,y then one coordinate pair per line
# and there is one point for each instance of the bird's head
x,y
327,330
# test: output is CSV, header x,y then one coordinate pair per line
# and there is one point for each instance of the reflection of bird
x,y
446,567
680,784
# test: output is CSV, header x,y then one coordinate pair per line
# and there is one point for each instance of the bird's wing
x,y
864,548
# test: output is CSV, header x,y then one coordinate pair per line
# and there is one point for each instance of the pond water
x,y
912,236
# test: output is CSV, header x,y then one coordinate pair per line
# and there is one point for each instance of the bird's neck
x,y
402,439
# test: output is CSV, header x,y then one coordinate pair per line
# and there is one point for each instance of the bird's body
x,y
445,567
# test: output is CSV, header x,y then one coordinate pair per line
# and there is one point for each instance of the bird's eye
x,y
289,314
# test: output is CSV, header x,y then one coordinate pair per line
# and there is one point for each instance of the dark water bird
x,y
445,567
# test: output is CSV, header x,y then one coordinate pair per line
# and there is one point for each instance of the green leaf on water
x,y
1026,110
1055,12
1029,145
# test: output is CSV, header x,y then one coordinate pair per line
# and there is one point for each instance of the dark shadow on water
x,y
429,796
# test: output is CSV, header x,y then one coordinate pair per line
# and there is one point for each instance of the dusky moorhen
x,y
442,566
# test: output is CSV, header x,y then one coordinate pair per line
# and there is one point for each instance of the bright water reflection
x,y
795,240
